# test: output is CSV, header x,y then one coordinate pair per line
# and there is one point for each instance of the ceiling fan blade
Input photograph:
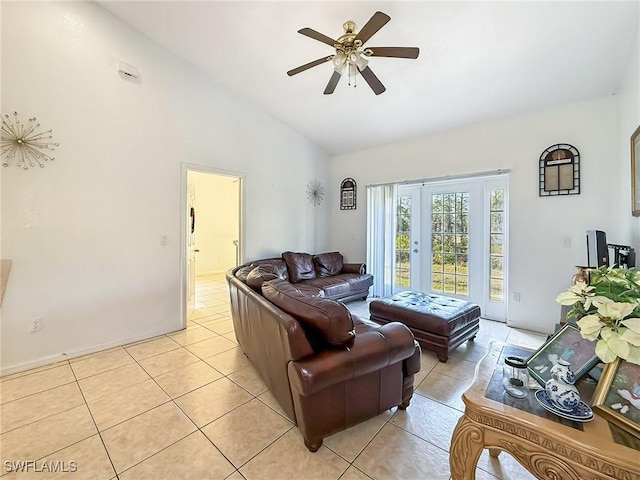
x,y
333,82
309,65
396,52
375,84
375,23
311,33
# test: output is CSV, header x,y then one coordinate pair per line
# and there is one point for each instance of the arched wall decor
x,y
559,171
348,193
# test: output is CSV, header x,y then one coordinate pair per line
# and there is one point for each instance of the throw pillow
x,y
331,319
265,272
328,264
243,272
300,266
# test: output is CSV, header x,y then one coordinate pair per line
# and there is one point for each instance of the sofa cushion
x,y
331,319
243,272
267,271
299,265
328,264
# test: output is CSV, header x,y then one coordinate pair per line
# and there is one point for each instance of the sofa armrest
x,y
359,268
372,351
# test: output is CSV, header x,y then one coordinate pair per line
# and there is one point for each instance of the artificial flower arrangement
x,y
608,310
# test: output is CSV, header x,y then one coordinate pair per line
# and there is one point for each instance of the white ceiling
x,y
478,60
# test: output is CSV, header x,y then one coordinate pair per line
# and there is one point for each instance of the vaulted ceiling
x,y
478,60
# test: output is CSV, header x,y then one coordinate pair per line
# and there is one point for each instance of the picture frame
x,y
617,396
568,344
635,173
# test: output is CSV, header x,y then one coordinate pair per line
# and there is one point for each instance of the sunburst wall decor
x,y
315,192
25,142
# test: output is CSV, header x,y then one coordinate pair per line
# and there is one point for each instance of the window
x,y
403,241
496,242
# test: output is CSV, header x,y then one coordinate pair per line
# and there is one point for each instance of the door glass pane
x,y
496,238
436,243
436,282
450,249
437,225
403,240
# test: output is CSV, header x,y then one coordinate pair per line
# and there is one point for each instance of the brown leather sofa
x,y
325,274
327,369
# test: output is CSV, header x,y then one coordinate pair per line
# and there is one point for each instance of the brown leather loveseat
x,y
327,369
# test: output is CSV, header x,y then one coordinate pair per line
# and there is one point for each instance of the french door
x,y
451,240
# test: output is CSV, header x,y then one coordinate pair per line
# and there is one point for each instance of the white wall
x,y
628,121
84,232
540,265
217,220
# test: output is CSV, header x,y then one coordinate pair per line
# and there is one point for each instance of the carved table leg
x,y
467,443
494,452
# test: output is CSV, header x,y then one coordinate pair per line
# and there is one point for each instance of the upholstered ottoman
x,y
439,323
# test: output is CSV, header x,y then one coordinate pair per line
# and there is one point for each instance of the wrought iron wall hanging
x,y
348,193
25,143
559,171
315,192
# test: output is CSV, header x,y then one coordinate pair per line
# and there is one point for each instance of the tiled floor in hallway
x,y
189,405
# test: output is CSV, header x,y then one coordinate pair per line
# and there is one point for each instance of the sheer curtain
x,y
381,226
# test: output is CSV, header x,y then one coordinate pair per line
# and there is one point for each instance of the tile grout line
x,y
191,420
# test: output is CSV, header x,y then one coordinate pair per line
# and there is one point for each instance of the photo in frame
x,y
566,344
635,173
617,397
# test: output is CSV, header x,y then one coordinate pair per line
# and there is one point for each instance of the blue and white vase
x,y
560,388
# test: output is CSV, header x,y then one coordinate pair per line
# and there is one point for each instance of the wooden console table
x,y
544,446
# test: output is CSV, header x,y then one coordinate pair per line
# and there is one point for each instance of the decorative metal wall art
x,y
25,142
315,192
559,171
348,192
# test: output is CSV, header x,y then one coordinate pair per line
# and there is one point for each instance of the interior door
x,y
191,246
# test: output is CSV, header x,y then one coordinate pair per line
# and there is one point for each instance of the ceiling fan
x,y
351,53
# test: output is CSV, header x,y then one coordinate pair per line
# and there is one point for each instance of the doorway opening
x,y
212,229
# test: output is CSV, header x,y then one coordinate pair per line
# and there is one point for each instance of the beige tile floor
x,y
189,405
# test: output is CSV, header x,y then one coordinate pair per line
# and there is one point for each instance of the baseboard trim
x,y
59,357
210,272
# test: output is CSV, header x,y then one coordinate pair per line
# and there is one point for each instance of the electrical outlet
x,y
164,240
35,325
516,296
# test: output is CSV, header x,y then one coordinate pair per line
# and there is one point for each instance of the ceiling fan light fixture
x,y
339,59
340,68
361,62
352,55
